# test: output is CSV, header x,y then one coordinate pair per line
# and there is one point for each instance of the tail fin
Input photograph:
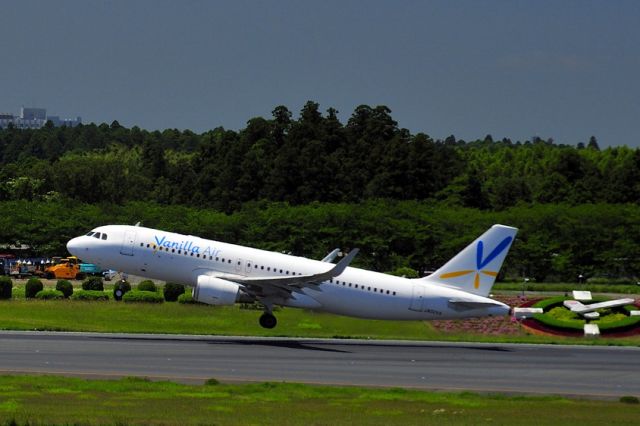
x,y
475,268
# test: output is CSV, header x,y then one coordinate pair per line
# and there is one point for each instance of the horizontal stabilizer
x,y
466,304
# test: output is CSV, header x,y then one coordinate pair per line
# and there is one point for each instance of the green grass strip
x,y
62,400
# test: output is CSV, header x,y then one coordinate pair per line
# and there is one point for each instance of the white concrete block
x,y
522,313
582,296
591,330
591,315
573,305
634,313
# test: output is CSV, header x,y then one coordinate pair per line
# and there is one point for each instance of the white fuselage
x,y
356,292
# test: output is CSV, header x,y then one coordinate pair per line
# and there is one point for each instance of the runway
x,y
598,372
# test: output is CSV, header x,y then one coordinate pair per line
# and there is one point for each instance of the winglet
x,y
329,258
342,265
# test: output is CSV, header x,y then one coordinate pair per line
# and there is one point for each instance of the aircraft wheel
x,y
267,320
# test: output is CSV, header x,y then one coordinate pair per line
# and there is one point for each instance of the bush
x,y
121,288
65,287
186,299
32,288
49,295
6,287
89,295
93,284
147,285
143,297
172,291
629,400
212,382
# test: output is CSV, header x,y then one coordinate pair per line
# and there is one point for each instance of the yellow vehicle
x,y
67,269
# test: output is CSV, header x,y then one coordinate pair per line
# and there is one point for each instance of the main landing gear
x,y
268,320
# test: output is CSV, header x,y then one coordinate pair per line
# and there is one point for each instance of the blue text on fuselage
x,y
187,246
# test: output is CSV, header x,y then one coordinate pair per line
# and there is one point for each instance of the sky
x,y
565,70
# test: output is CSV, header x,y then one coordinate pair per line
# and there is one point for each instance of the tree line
x,y
309,183
555,241
313,157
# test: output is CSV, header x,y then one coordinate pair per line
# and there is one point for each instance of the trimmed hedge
x,y
6,287
93,283
89,295
65,287
147,285
574,325
136,296
32,288
172,291
121,288
50,295
186,299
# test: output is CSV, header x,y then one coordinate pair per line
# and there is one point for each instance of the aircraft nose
x,y
74,246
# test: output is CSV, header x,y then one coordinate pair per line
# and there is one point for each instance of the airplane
x,y
223,274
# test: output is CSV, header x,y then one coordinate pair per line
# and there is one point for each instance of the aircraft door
x,y
247,269
128,242
418,298
239,265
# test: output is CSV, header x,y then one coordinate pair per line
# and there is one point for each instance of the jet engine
x,y
215,291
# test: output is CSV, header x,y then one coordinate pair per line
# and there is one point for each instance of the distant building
x,y
35,118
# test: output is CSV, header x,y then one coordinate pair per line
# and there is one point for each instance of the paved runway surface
x,y
535,369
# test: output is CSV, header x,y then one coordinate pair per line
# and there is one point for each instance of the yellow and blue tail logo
x,y
473,271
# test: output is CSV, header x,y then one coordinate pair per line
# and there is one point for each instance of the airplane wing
x,y
284,286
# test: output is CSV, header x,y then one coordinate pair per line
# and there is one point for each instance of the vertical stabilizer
x,y
475,268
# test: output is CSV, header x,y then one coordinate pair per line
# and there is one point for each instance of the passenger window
x,y
173,250
223,260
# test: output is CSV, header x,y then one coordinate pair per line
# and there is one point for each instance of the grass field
x,y
60,400
174,318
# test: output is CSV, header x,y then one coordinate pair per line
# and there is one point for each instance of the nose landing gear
x,y
268,320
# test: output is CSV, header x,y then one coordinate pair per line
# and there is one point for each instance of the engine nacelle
x,y
215,291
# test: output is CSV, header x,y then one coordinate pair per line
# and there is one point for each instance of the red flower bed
x,y
490,326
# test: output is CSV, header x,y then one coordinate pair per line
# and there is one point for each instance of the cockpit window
x,y
96,235
90,233
104,236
